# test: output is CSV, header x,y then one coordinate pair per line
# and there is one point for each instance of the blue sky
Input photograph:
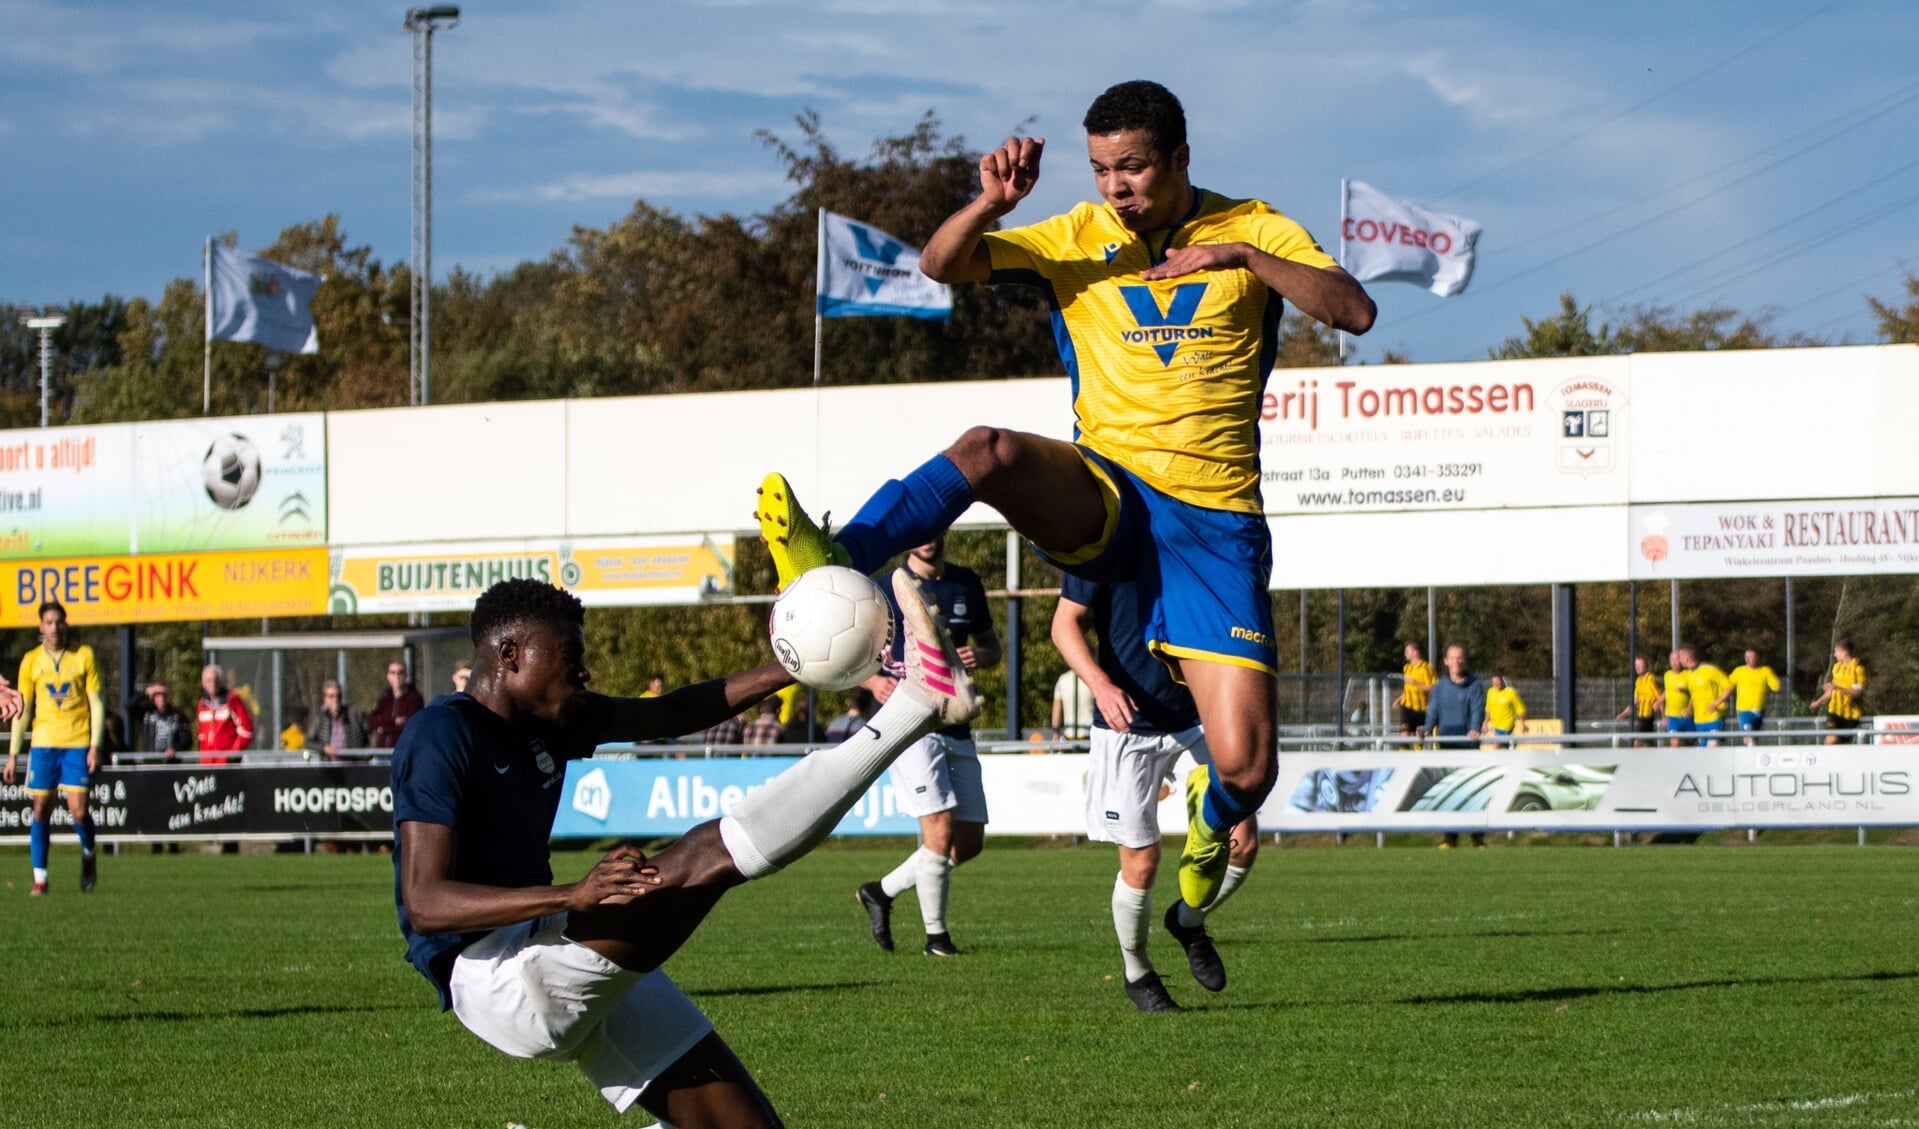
x,y
1757,154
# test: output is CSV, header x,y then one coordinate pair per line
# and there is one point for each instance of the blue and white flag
x,y
259,300
865,272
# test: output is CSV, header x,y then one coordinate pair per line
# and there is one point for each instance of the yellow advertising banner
x,y
160,587
602,572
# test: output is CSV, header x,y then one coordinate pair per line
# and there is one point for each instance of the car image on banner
x,y
1572,787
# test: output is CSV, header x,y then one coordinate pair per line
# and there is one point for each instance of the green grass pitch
x,y
1405,987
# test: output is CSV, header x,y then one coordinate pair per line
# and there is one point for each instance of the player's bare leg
x,y
1040,486
709,1086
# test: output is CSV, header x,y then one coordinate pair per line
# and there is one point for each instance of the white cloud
x,y
642,183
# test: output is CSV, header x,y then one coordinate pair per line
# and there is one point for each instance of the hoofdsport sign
x,y
220,801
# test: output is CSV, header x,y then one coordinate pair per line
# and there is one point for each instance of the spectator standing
x,y
294,737
1505,709
859,707
1455,713
1419,678
765,729
1073,707
1644,709
799,729
156,725
336,725
67,717
224,723
732,731
1677,700
1709,689
655,686
461,672
1751,682
1844,693
400,701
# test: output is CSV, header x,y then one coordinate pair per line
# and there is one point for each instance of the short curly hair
x,y
520,602
1139,105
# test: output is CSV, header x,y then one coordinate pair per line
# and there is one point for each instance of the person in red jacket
x,y
225,725
401,701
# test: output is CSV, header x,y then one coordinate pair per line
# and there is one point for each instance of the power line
x,y
1814,242
1637,106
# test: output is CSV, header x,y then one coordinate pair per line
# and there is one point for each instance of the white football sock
x,y
936,878
1234,876
903,877
40,874
795,810
1132,916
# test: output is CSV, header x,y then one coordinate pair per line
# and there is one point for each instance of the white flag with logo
x,y
259,300
1392,240
864,272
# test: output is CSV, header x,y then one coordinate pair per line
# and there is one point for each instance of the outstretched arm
x,y
1006,176
1326,294
436,903
692,708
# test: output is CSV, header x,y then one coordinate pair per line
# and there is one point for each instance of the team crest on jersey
x,y
1164,329
543,759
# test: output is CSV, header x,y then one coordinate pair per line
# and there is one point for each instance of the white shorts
x,y
937,774
527,990
1124,775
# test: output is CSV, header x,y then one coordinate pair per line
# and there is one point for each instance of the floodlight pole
x,y
423,22
46,326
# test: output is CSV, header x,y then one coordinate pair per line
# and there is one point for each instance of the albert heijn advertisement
x,y
1379,438
1843,537
186,801
601,571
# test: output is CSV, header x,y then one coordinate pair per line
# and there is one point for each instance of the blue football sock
x,y
906,513
1221,809
40,836
85,830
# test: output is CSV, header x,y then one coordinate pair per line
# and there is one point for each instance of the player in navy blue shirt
x,y
571,972
1144,720
937,781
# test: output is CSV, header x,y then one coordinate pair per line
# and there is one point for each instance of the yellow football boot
x,y
1202,864
796,543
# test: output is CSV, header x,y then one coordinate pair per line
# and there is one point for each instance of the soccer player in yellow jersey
x,y
1167,302
67,715
1751,683
1505,709
1419,677
1844,693
1644,709
1676,700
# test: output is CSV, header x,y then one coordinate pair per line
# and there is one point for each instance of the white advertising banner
x,y
1595,788
1388,438
1847,537
66,492
247,482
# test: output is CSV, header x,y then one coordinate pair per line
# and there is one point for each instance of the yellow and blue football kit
x,y
1707,684
1167,378
63,692
1750,686
1678,701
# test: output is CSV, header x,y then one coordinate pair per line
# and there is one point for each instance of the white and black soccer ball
x,y
231,470
831,628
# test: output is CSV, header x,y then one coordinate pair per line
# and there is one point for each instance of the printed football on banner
x,y
257,482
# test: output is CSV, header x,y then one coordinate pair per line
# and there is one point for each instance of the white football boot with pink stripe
x,y
934,673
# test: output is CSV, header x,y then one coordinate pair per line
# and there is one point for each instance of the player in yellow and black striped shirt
x,y
1419,676
1845,692
1644,709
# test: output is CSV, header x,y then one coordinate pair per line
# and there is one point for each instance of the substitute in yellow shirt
x,y
1678,697
1643,710
1505,710
1708,686
1751,682
1845,691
